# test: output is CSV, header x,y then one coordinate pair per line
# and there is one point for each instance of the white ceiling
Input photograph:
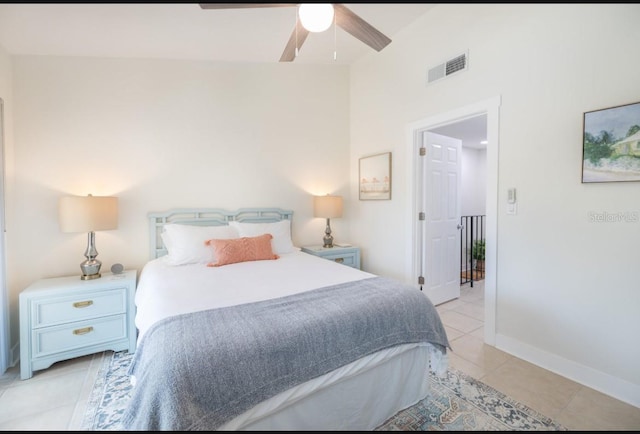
x,y
470,131
186,31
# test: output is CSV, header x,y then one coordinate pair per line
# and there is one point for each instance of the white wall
x,y
568,297
6,85
473,181
165,134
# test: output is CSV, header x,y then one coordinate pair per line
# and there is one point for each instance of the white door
x,y
440,194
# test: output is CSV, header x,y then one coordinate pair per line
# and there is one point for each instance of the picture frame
x,y
611,144
374,177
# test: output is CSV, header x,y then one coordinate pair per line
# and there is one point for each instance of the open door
x,y
416,170
440,216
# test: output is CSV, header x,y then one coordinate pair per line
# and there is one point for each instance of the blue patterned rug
x,y
457,403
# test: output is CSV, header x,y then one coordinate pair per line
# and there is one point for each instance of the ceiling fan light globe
x,y
316,17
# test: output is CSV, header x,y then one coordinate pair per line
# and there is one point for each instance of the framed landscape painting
x,y
375,177
611,144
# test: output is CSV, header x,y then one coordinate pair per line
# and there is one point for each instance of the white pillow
x,y
281,231
185,243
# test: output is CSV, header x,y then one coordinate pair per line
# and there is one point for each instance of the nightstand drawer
x,y
349,256
76,335
79,307
346,259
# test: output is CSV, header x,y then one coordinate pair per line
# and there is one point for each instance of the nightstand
x,y
66,317
349,256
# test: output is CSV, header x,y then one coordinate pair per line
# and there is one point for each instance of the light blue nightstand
x,y
349,256
66,317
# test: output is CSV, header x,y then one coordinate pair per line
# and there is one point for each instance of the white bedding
x,y
164,290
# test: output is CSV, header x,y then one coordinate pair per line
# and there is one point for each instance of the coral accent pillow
x,y
243,249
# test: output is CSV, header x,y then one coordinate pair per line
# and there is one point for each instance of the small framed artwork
x,y
611,144
375,177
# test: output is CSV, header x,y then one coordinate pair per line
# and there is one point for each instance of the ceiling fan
x,y
344,17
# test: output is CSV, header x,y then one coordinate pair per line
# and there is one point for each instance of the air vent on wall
x,y
457,64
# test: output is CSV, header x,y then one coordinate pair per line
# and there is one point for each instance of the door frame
x,y
490,107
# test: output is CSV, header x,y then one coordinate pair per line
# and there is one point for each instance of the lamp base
x,y
91,266
90,276
328,238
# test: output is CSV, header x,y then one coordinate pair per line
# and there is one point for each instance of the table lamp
x,y
327,207
88,214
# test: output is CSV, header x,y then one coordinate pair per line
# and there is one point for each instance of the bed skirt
x,y
352,397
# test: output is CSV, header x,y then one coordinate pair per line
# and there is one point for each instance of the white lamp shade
x,y
316,17
328,207
88,213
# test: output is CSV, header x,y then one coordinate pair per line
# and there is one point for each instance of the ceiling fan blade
x,y
359,28
289,53
243,5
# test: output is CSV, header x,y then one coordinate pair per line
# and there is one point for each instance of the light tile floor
x,y
55,399
571,404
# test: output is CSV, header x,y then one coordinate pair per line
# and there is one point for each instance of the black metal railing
x,y
472,248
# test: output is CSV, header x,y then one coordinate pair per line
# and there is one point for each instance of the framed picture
x,y
375,177
611,144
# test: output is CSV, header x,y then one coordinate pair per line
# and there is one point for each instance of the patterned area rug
x,y
457,403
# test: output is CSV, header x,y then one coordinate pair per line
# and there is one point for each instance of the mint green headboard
x,y
206,217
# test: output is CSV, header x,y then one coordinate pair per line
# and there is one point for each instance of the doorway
x,y
469,252
490,109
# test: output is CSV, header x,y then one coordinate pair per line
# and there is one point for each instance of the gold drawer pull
x,y
339,260
83,303
83,331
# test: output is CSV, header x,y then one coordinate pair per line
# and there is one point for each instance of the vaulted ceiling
x,y
186,31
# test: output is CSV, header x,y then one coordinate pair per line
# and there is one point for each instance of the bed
x,y
247,332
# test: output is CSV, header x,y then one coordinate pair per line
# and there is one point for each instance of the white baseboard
x,y
600,381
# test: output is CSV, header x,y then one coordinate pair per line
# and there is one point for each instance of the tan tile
x,y
453,334
538,388
479,303
478,333
459,321
473,310
476,284
452,304
474,350
56,419
465,366
471,297
592,410
63,367
12,374
30,397
472,294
